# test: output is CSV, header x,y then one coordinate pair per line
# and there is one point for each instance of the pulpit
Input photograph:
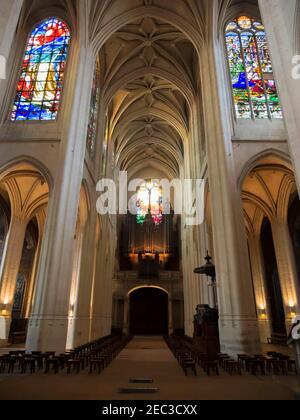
x,y
206,331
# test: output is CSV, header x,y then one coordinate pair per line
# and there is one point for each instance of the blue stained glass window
x,y
41,81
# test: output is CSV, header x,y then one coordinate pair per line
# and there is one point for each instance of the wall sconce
x,y
293,311
262,313
4,308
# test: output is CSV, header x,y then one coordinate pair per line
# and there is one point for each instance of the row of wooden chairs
x,y
96,355
183,354
23,361
271,363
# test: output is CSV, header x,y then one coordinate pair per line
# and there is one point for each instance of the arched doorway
x,y
272,279
4,224
26,189
148,311
294,226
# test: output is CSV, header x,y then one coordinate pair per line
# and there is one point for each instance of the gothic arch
x,y
6,168
267,183
195,36
230,11
253,161
148,287
183,86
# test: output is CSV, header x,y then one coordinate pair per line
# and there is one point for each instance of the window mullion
x,y
262,77
247,81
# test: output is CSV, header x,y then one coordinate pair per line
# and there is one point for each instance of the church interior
x,y
91,304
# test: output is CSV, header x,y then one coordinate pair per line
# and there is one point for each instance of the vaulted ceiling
x,y
266,192
27,190
149,54
150,82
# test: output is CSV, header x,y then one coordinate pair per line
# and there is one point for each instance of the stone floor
x,y
146,358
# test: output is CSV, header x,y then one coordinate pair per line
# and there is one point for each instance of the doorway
x,y
149,312
272,279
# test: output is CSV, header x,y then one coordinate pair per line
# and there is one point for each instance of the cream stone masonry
x,y
165,111
258,270
49,320
9,270
82,302
287,269
10,12
282,32
238,322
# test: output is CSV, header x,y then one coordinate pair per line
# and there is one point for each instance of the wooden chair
x,y
292,366
28,362
234,367
212,365
96,364
189,364
242,359
258,365
75,364
7,361
280,367
54,363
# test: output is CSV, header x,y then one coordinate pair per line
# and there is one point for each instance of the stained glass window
x,y
94,108
254,88
149,202
40,85
105,146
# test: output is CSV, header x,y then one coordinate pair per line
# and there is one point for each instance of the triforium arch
x,y
24,183
267,192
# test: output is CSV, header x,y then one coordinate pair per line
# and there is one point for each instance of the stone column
x,y
287,270
82,314
297,354
9,271
9,17
258,275
186,283
170,311
238,321
279,20
102,295
49,320
73,299
33,279
126,316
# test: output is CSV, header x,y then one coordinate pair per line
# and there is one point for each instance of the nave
x,y
147,357
128,95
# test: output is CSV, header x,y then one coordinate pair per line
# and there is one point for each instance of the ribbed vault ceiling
x,y
150,84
